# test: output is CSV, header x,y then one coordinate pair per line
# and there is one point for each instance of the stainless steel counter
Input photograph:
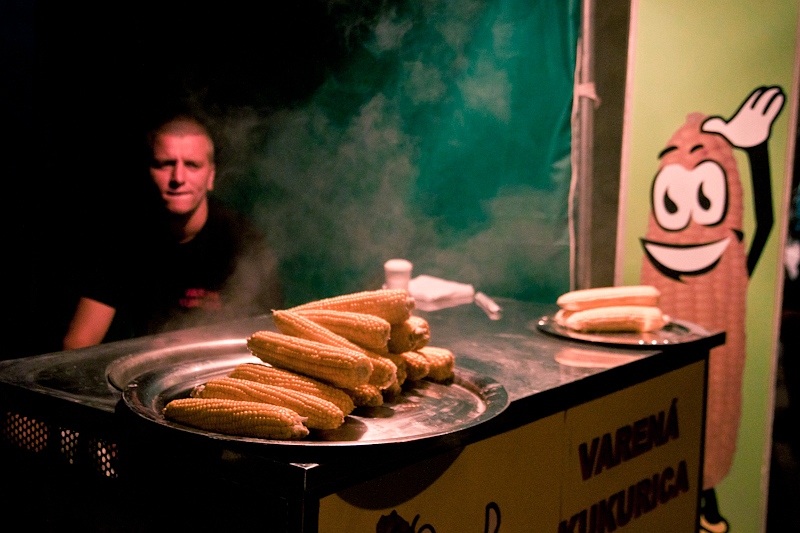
x,y
70,393
509,350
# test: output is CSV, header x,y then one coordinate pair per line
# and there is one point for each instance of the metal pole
x,y
585,146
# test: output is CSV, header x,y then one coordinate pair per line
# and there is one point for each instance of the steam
x,y
416,148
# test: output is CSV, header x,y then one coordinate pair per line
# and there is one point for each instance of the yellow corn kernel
x,y
582,299
368,331
409,335
237,418
627,318
320,414
441,363
417,366
366,396
269,375
384,372
338,366
393,305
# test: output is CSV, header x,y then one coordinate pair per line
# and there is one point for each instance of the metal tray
x,y
674,333
160,359
424,410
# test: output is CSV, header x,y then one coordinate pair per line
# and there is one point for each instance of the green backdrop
x,y
442,137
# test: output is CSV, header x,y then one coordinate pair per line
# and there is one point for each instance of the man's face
x,y
183,170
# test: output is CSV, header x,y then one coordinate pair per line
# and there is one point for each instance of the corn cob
x,y
368,331
441,363
417,365
269,375
561,317
366,396
338,366
393,305
645,295
384,372
234,417
382,366
634,318
402,367
409,335
320,414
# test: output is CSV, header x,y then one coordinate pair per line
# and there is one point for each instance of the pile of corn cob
x,y
327,358
611,309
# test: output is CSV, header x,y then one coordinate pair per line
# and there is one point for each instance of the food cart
x,y
540,431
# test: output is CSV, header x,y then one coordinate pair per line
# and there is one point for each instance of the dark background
x,y
465,173
80,85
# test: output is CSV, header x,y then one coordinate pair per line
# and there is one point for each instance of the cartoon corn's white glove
x,y
751,124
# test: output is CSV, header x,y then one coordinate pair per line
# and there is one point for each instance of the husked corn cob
x,y
441,363
320,414
338,366
368,331
239,418
366,396
269,375
409,335
561,317
644,295
393,305
417,365
400,364
384,372
635,318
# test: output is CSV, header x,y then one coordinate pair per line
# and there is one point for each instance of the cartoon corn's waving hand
x,y
749,129
752,123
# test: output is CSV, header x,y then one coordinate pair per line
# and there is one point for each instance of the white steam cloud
x,y
336,196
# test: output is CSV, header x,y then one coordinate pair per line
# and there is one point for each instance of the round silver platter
x,y
425,409
676,332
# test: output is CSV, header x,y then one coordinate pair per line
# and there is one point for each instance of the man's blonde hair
x,y
182,125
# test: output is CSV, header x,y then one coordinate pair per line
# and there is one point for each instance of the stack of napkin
x,y
432,293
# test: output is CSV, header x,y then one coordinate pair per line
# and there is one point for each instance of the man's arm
x,y
89,324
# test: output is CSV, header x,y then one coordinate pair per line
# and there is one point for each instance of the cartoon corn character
x,y
695,255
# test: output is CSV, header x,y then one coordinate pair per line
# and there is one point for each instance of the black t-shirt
x,y
156,284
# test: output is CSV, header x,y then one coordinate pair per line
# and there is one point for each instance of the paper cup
x,y
398,273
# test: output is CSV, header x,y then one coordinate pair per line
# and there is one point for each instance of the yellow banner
x,y
630,459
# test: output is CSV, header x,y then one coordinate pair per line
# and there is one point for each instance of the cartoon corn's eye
x,y
681,196
671,204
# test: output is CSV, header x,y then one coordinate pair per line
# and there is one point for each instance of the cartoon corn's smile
x,y
676,260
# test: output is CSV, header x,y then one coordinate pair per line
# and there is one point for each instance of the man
x,y
196,263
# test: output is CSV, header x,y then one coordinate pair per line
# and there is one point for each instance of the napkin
x,y
432,293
